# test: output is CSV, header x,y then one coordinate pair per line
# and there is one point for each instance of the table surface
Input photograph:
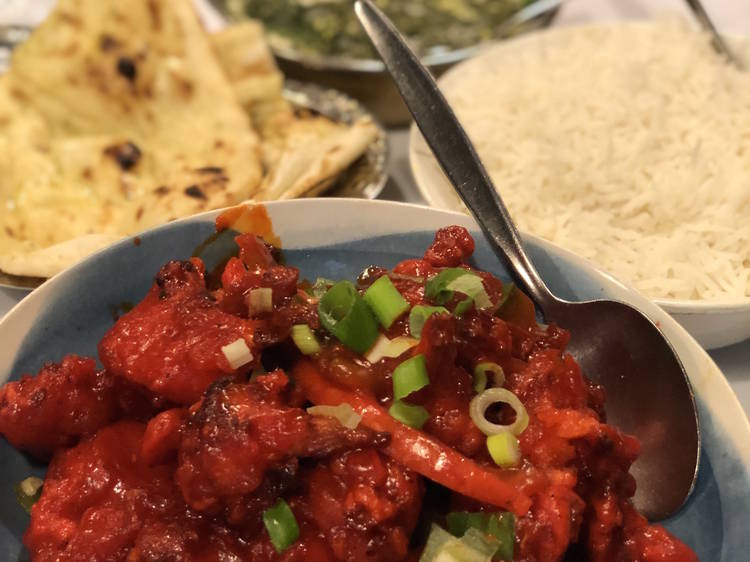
x,y
728,15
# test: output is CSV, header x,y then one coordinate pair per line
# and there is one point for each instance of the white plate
x,y
713,325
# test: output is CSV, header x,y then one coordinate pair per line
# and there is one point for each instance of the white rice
x,y
627,144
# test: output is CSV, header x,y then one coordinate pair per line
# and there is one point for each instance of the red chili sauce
x,y
170,453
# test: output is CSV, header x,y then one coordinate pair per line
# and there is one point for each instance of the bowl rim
x,y
373,66
707,306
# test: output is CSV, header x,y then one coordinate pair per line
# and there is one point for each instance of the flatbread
x,y
302,153
314,152
114,117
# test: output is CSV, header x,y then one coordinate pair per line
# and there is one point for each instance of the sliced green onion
x,y
419,315
28,491
281,525
480,375
472,286
463,306
409,376
389,348
480,380
304,338
442,287
237,353
474,546
436,288
385,301
320,286
479,404
500,526
343,412
260,300
504,449
480,543
346,315
408,414
436,540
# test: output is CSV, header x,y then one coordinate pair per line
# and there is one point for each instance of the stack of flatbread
x,y
117,116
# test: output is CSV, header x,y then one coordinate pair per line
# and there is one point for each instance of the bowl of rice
x,y
628,144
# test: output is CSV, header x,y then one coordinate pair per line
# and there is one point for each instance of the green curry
x,y
329,27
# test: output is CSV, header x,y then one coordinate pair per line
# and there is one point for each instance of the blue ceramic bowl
x,y
337,239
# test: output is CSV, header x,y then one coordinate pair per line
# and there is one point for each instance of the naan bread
x,y
303,154
118,116
114,117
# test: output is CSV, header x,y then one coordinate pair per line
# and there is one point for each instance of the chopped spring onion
x,y
237,353
500,526
320,286
343,412
481,402
389,348
474,546
436,287
346,315
281,525
504,449
409,414
410,376
480,380
385,301
463,306
472,286
28,491
304,338
260,300
441,288
419,315
480,375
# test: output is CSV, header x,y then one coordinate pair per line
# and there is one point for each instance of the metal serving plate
x,y
366,177
367,79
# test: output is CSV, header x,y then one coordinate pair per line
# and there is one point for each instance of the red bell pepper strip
x,y
417,450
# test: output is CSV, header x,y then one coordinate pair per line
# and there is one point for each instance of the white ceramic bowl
x,y
338,238
713,324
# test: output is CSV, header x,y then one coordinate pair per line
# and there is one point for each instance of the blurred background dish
x,y
635,161
320,41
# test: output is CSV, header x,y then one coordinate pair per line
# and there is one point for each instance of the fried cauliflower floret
x,y
171,342
64,402
242,431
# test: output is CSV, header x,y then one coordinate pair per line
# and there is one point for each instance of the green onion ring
x,y
481,370
346,315
481,402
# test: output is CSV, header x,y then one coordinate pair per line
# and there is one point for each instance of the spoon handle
x,y
453,149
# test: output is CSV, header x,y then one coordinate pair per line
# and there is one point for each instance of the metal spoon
x,y
648,392
717,41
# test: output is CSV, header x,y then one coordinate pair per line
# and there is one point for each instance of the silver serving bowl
x,y
367,79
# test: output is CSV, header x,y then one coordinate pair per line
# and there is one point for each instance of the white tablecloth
x,y
731,16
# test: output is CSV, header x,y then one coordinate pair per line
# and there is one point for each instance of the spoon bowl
x,y
648,392
647,395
